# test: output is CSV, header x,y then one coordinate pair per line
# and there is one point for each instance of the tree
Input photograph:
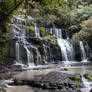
x,y
53,3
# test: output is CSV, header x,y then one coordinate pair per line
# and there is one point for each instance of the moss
x,y
30,23
78,80
42,31
89,76
30,31
50,37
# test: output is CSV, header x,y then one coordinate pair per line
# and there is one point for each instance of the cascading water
x,y
38,56
83,52
17,52
87,84
63,49
20,32
66,46
29,56
37,33
45,51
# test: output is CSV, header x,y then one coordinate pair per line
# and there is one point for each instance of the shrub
x,y
4,45
86,31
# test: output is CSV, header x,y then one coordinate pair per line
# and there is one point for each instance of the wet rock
x,y
16,68
3,69
88,76
90,59
53,80
51,51
91,90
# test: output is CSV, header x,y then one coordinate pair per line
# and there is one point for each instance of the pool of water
x,y
41,70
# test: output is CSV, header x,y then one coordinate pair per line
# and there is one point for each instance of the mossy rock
x,y
88,76
42,31
50,37
30,31
30,22
78,80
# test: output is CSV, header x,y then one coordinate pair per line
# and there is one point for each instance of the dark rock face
x,y
91,90
54,80
77,52
51,51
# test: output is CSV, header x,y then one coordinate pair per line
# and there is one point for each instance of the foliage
x,y
6,7
52,3
77,16
86,31
4,45
75,3
63,16
57,13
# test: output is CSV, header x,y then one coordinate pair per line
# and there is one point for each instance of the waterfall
x,y
59,33
83,52
17,52
65,46
38,56
37,33
86,83
29,56
63,40
45,51
63,49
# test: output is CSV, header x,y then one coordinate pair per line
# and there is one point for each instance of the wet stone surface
x,y
53,80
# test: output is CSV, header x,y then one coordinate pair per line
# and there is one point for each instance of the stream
x,y
29,74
